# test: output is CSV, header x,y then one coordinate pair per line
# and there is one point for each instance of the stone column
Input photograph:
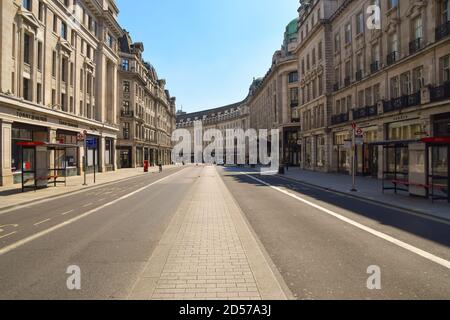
x,y
51,154
6,176
101,154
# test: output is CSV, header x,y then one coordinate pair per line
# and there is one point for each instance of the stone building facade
x,y
391,83
146,111
58,67
274,99
234,116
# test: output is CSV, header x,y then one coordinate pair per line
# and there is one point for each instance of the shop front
x,y
72,156
438,151
21,133
292,147
342,151
367,154
125,157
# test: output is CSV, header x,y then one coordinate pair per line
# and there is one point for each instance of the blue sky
x,y
208,50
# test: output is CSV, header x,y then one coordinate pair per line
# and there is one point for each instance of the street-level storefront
x,y
125,157
438,151
292,146
72,155
22,132
342,151
367,153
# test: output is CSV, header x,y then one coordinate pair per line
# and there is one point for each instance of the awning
x,y
395,142
46,144
437,140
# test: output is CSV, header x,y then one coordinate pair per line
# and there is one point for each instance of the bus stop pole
x,y
85,161
354,161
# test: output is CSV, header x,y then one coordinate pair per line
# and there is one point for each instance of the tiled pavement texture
x,y
202,255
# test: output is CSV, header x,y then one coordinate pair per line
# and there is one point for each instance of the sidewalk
x,y
370,189
12,195
208,252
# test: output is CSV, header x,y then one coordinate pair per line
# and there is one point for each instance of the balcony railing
x,y
127,114
294,103
402,102
392,57
359,75
443,31
415,45
365,112
340,118
336,87
440,93
374,67
347,81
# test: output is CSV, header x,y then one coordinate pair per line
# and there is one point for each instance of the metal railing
x,y
440,93
443,31
415,45
392,57
340,118
402,102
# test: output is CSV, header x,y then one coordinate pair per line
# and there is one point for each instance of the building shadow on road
x,y
430,229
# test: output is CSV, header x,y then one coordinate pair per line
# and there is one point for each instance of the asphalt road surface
x,y
322,243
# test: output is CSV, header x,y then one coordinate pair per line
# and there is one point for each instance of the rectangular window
x,y
445,69
41,11
39,93
54,64
63,30
27,4
40,56
406,83
360,23
418,28
395,88
55,23
26,48
337,42
348,33
26,89
418,80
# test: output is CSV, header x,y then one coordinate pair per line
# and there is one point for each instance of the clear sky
x,y
208,50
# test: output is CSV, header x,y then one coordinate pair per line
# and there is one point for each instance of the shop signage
x,y
91,143
68,124
31,116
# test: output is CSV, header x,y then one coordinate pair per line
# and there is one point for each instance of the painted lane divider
x,y
86,214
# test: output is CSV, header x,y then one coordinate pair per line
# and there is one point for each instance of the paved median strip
x,y
207,252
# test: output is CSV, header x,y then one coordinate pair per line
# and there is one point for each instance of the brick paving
x,y
204,255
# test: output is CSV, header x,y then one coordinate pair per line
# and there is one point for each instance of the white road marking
x,y
67,212
404,245
100,200
88,204
9,234
8,225
39,223
370,201
61,225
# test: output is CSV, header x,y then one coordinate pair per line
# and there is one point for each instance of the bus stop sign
x,y
91,143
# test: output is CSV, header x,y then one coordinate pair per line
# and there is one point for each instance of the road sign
x,y
359,141
91,143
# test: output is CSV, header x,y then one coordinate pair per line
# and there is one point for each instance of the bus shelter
x,y
44,164
438,151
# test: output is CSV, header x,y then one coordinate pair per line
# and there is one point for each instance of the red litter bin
x,y
146,165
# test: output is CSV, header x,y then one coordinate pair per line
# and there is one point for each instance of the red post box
x,y
146,165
